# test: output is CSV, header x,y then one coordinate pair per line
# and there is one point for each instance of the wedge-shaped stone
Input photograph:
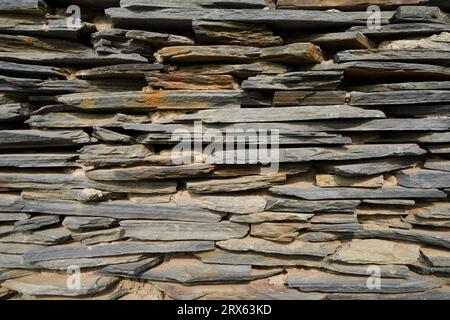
x,y
64,264
264,289
438,258
237,70
167,231
281,114
399,97
38,160
86,223
399,30
435,210
189,270
30,71
83,120
181,18
406,55
387,70
309,98
13,112
51,284
35,223
377,252
328,180
308,80
120,71
437,164
106,135
296,54
11,217
235,184
13,139
295,205
313,280
178,80
45,237
423,179
98,236
218,256
120,209
232,33
161,4
351,152
368,167
150,172
116,249
131,269
140,101
112,155
315,193
271,216
250,244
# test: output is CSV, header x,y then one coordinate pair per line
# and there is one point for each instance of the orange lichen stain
x,y
158,99
155,99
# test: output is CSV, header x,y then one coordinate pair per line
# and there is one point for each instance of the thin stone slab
x,y
235,184
375,251
328,180
295,54
38,160
435,210
399,30
271,216
87,223
423,179
131,269
169,231
406,55
35,223
393,98
438,258
315,193
420,14
309,98
51,284
313,280
120,209
98,236
100,155
161,4
277,231
428,85
13,112
251,244
45,237
13,139
309,80
350,4
83,120
121,71
437,164
238,70
303,206
116,249
12,217
110,136
335,41
177,80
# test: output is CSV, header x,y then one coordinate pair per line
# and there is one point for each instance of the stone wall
x,y
95,203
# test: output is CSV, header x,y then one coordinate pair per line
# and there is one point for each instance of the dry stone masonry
x,y
91,189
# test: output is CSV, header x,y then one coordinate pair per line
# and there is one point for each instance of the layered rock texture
x,y
97,203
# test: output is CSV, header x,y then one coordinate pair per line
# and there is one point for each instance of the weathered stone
x,y
12,217
309,80
235,184
309,98
271,216
406,55
45,237
232,33
168,231
38,160
87,223
348,228
435,294
160,4
13,112
437,164
438,258
120,209
423,178
420,85
435,42
276,231
237,70
384,220
368,167
301,206
334,219
13,139
130,269
83,120
98,236
392,98
313,280
420,14
106,135
349,4
250,244
399,30
82,263
177,80
436,210
6,274
121,71
328,180
82,195
281,114
5,230
112,155
181,18
390,202
377,252
296,54
388,271
17,248
51,284
163,100
335,41
116,249
315,193
439,223
150,172
36,222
